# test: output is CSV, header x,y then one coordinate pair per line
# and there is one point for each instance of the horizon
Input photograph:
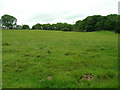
x,y
53,11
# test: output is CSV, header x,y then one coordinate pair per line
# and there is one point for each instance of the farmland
x,y
58,59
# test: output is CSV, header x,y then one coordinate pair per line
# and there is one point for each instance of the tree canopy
x,y
98,22
8,22
25,27
91,23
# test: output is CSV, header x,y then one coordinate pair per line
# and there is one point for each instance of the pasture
x,y
57,59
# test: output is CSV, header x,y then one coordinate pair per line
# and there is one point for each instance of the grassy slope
x,y
30,57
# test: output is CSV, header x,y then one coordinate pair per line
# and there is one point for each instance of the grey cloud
x,y
44,18
73,17
48,17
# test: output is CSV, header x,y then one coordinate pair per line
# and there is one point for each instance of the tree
x,y
8,22
77,25
25,27
117,25
53,27
46,26
18,27
90,22
37,26
63,27
97,23
110,22
100,24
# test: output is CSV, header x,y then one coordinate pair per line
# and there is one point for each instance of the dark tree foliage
x,y
110,22
46,26
91,23
98,22
77,26
18,27
117,25
8,22
58,26
25,27
37,26
63,27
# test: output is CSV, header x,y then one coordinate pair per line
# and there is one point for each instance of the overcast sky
x,y
51,11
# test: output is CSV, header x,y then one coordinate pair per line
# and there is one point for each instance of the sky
x,y
31,12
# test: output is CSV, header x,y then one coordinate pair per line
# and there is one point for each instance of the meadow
x,y
58,59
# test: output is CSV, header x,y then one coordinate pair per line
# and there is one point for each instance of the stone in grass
x,y
87,77
49,77
41,80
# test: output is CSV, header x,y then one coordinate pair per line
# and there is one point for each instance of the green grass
x,y
30,57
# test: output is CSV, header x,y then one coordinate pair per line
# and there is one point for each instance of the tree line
x,y
91,23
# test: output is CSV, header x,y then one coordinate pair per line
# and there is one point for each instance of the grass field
x,y
56,59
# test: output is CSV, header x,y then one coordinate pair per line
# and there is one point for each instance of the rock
x,y
49,77
87,76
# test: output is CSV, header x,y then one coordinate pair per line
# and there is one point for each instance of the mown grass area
x,y
56,59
